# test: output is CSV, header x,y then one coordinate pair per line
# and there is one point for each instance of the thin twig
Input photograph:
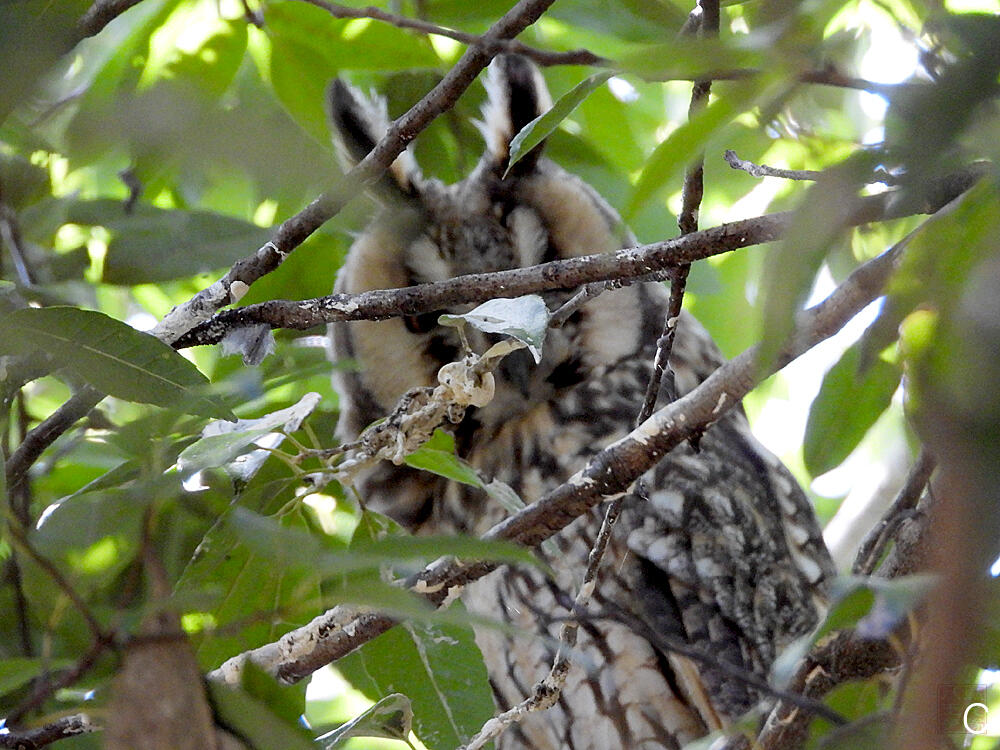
x,y
872,548
60,729
574,303
831,77
761,170
10,237
492,46
21,544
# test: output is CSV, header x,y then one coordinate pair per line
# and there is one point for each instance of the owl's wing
x,y
725,553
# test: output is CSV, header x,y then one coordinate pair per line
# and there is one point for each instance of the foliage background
x,y
221,122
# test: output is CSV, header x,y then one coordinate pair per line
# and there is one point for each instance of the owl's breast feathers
x,y
724,556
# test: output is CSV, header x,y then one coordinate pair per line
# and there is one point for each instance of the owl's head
x,y
495,219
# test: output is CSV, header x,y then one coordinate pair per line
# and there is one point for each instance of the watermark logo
x,y
966,709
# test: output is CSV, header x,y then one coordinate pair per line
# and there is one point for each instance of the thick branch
x,y
631,263
337,632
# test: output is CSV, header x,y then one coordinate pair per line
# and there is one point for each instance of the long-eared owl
x,y
724,553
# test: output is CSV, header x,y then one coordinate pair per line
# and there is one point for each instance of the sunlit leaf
x,y
391,717
691,59
223,443
847,406
525,319
111,356
673,155
442,671
437,456
310,47
539,129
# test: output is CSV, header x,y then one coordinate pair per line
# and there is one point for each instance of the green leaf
x,y
792,264
112,357
847,406
391,717
33,35
672,156
155,244
253,717
437,456
256,564
690,59
525,319
310,47
941,267
24,182
257,583
294,546
222,443
288,702
16,672
408,548
442,671
539,129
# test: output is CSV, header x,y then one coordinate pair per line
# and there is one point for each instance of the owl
x,y
723,553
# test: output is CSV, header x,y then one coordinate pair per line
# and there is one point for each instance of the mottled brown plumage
x,y
726,555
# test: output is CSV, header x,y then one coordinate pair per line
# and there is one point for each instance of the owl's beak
x,y
518,369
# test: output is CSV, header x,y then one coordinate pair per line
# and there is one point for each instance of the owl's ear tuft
x,y
358,123
517,95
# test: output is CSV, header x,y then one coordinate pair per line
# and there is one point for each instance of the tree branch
x,y
101,13
60,729
339,631
491,46
46,433
762,170
874,545
630,263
